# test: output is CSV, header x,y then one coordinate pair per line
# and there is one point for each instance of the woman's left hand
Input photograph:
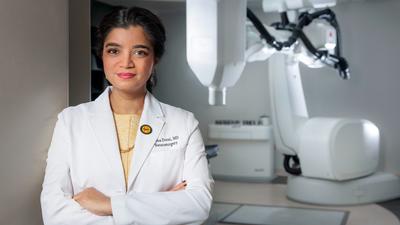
x,y
94,201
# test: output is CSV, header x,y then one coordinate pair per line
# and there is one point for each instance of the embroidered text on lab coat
x,y
167,141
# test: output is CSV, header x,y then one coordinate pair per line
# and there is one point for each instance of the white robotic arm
x,y
216,42
326,152
327,148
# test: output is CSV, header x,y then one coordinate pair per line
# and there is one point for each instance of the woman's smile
x,y
126,75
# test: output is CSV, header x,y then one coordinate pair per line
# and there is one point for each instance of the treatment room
x,y
207,112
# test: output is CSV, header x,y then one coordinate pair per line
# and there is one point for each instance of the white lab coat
x,y
84,153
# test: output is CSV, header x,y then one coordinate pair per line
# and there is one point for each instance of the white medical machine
x,y
331,161
246,151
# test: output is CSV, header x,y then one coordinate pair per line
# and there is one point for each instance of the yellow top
x,y
127,126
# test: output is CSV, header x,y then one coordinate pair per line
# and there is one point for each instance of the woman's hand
x,y
179,187
94,201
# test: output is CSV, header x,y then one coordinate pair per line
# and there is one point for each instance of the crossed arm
x,y
99,204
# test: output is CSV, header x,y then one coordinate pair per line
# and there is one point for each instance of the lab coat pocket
x,y
164,167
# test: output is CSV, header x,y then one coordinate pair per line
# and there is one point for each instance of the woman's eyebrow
x,y
111,44
141,46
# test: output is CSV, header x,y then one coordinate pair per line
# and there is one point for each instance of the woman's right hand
x,y
179,187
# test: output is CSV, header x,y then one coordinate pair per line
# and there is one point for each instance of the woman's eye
x,y
112,51
140,53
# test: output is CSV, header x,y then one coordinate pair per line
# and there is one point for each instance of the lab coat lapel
x,y
153,117
102,121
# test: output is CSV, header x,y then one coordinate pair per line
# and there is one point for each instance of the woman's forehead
x,y
133,35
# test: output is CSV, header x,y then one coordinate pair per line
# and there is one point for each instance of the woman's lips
x,y
126,75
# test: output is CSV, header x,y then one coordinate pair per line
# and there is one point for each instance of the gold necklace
x,y
129,131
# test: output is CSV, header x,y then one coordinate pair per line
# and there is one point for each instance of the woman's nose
x,y
127,61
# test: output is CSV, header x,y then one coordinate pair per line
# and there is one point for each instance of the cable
x,y
293,168
305,18
263,31
284,18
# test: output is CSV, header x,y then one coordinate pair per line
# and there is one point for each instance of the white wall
x,y
370,33
33,89
79,52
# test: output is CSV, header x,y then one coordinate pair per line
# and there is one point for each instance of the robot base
x,y
374,188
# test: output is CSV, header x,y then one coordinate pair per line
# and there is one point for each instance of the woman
x,y
126,158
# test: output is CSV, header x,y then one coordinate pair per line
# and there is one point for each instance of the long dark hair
x,y
122,17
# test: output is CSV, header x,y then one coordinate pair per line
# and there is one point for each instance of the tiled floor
x,y
275,194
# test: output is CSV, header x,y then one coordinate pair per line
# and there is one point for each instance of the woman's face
x,y
128,59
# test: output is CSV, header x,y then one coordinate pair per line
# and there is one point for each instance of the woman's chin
x,y
129,88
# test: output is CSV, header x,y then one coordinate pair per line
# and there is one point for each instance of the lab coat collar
x,y
102,103
102,120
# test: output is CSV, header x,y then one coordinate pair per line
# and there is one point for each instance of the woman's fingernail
x,y
185,185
